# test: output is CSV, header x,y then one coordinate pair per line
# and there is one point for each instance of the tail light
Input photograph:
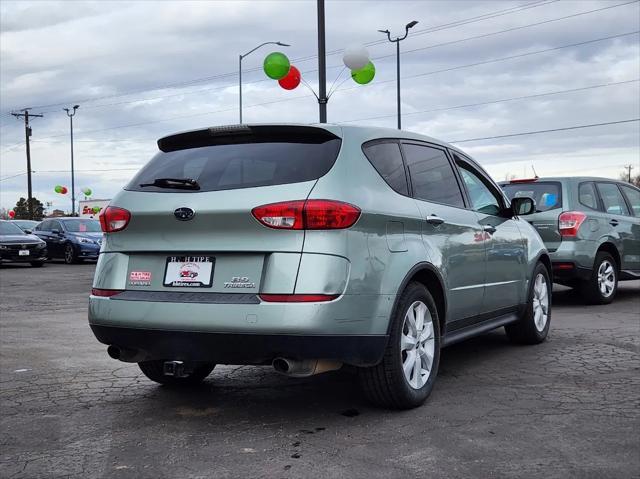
x,y
569,223
297,298
105,293
309,215
114,219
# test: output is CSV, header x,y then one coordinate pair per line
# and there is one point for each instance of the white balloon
x,y
355,57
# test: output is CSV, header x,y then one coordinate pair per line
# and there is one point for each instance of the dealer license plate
x,y
189,271
23,252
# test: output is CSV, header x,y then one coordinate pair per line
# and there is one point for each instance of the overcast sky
x,y
141,70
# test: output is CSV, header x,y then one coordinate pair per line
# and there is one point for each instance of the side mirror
x,y
523,206
55,231
28,231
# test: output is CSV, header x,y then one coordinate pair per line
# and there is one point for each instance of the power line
x,y
382,57
491,102
546,131
445,26
67,171
433,72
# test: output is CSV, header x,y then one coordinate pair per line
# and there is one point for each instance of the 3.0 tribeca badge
x,y
184,214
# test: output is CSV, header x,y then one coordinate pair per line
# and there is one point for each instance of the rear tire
x,y
154,370
602,286
414,347
533,326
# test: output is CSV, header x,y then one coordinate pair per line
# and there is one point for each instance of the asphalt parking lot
x,y
567,408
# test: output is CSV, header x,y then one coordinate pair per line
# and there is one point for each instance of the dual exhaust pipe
x,y
305,368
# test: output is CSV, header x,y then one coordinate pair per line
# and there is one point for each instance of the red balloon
x,y
64,190
12,214
291,80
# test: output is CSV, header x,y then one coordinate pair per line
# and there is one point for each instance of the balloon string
x,y
334,81
309,87
339,85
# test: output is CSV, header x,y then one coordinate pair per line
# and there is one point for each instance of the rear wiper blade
x,y
178,183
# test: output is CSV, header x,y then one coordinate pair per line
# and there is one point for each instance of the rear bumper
x,y
573,260
227,348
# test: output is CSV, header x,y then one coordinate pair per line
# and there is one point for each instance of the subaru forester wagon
x,y
591,227
311,247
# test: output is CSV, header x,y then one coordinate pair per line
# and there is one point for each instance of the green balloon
x,y
96,209
364,75
86,191
58,189
276,65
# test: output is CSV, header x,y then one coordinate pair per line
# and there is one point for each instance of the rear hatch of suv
x,y
187,215
548,198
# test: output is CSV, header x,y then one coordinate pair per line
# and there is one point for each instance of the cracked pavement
x,y
567,408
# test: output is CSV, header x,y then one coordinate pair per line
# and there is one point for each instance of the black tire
x,y
154,370
37,264
526,331
590,289
386,384
70,255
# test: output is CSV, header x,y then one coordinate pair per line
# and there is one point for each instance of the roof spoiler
x,y
237,134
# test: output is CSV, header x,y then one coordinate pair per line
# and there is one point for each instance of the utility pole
x,y
27,133
322,66
70,113
629,168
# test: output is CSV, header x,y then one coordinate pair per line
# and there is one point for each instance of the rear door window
x,y
633,196
432,176
587,196
613,200
546,194
259,157
387,160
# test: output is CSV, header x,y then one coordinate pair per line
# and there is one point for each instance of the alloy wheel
x,y
417,344
606,278
540,302
68,254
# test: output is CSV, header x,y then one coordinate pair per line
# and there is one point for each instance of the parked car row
x,y
70,239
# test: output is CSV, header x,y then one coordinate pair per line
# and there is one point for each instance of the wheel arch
x,y
428,275
612,249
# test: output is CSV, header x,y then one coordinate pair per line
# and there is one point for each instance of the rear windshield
x,y
83,226
547,195
260,160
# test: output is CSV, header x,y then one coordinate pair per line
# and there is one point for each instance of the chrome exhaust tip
x,y
305,368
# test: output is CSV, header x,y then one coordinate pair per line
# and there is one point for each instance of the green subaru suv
x,y
591,227
310,247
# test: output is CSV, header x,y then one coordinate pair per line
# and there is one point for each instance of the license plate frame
x,y
23,252
189,271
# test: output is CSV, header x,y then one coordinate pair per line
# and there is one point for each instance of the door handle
x,y
613,222
489,229
434,220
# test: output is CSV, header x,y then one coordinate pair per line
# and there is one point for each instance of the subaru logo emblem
x,y
184,214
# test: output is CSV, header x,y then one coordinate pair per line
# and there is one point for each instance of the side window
x,y
633,196
387,160
483,200
55,225
432,176
44,226
587,196
612,198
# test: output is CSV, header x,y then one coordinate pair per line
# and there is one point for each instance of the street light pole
x,y
397,42
322,66
240,57
70,113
